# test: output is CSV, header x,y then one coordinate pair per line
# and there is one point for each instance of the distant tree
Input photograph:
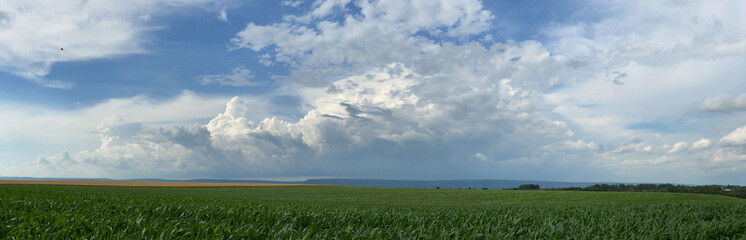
x,y
529,187
732,190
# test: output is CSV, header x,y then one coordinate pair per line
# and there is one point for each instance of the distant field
x,y
140,183
41,212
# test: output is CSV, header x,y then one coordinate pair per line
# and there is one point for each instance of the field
x,y
96,212
142,184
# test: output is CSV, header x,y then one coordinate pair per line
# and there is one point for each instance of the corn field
x,y
74,212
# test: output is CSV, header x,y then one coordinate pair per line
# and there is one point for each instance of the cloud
x,y
32,33
266,60
430,105
735,138
617,77
399,89
480,157
239,77
290,3
702,162
701,144
635,146
157,152
582,145
121,137
383,32
723,103
323,8
678,147
662,65
223,16
28,122
652,37
389,119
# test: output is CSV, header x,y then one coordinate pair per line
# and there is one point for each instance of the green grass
x,y
74,212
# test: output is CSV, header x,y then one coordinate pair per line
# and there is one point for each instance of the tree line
x,y
727,190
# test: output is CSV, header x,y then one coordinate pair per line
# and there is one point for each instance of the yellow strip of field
x,y
144,184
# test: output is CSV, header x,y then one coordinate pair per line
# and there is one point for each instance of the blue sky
x,y
633,91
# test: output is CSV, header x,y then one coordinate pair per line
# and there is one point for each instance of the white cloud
x,y
678,147
291,3
384,32
635,146
581,145
701,162
399,86
33,131
735,138
427,104
350,124
639,31
480,157
458,18
644,61
33,32
322,8
239,77
27,123
723,103
701,144
266,60
223,16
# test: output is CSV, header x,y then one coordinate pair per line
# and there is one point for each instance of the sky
x,y
627,91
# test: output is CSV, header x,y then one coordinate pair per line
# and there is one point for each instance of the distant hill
x,y
444,184
58,179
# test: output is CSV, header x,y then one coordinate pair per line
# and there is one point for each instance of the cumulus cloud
x,y
383,32
735,138
390,118
582,145
678,147
701,144
129,137
723,103
392,86
635,146
700,162
154,152
405,101
239,77
32,32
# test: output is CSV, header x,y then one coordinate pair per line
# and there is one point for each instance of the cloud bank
x,y
378,121
416,90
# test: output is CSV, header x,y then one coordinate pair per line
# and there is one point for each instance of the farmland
x,y
141,183
42,212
